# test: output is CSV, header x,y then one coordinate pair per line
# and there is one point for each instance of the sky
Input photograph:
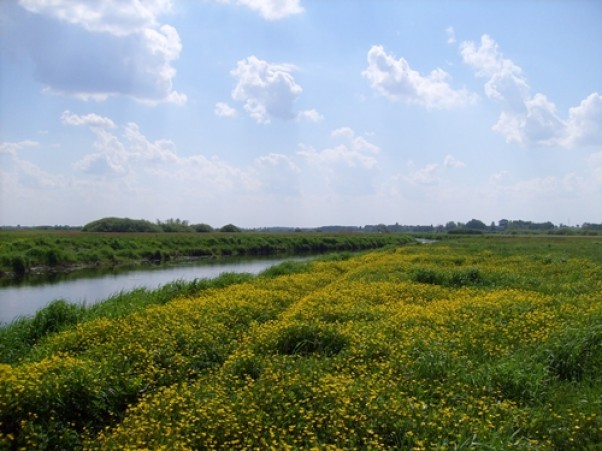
x,y
300,113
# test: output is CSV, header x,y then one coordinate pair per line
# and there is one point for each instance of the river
x,y
26,299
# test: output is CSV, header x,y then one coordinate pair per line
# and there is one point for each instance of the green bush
x,y
54,317
19,265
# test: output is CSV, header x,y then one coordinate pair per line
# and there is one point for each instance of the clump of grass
x,y
455,278
307,339
576,354
286,268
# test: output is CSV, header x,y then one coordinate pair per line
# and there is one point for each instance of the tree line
x,y
142,225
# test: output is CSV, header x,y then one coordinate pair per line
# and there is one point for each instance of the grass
x,y
470,343
24,252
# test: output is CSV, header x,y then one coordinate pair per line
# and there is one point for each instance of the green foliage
x,y
576,354
230,228
19,264
202,228
51,251
121,225
307,339
56,316
454,278
287,267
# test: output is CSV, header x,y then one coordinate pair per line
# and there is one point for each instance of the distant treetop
x,y
121,225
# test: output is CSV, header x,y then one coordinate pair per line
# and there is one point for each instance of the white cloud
x,y
451,162
451,35
349,168
531,120
310,116
140,148
222,109
145,165
584,126
424,176
397,81
346,132
268,90
122,48
93,120
271,9
356,152
11,148
117,17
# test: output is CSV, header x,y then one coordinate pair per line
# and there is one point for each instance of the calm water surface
x,y
26,299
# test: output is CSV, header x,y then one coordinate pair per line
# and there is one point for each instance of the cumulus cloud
x,y
113,16
101,49
222,109
128,154
268,90
426,175
348,168
584,126
310,116
93,120
527,119
397,81
355,152
270,9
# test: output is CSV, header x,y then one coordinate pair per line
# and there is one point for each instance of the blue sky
x,y
300,113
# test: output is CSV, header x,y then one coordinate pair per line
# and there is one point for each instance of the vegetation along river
x,y
27,298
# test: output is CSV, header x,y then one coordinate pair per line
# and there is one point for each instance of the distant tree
x,y
451,225
475,224
229,228
112,224
202,228
174,225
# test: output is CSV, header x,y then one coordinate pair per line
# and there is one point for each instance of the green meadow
x,y
483,342
22,252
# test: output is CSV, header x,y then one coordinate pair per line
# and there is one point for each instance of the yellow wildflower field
x,y
442,346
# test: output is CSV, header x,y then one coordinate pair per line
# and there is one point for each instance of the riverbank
x,y
24,252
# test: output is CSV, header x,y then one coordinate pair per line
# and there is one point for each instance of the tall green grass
x,y
24,252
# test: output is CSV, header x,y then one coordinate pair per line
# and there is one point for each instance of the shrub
x,y
53,318
430,276
230,228
19,265
465,277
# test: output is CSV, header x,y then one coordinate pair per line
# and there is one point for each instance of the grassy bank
x,y
23,252
468,343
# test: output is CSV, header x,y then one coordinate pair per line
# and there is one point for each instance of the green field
x,y
482,342
22,252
